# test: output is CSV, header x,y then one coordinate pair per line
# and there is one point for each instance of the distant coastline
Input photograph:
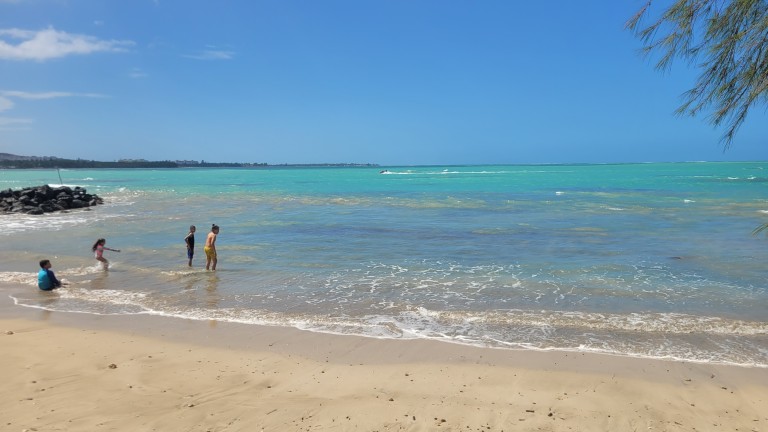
x,y
11,161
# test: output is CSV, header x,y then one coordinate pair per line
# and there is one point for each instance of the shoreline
x,y
209,376
132,319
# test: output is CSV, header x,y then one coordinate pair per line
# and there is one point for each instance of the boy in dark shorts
x,y
190,241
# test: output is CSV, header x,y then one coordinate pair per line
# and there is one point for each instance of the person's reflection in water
x,y
212,298
191,282
100,281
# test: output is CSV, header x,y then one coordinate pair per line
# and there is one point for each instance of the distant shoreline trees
x,y
80,163
34,162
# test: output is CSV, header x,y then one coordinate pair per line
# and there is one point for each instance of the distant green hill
x,y
38,162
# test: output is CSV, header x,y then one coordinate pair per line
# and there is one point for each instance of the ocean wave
x,y
651,335
59,221
482,172
19,278
406,320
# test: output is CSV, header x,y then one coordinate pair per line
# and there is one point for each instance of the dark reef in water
x,y
45,199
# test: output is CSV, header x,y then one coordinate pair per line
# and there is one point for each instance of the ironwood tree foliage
x,y
727,40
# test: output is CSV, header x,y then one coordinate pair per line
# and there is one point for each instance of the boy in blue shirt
x,y
46,280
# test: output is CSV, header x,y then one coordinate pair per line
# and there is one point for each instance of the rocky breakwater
x,y
46,199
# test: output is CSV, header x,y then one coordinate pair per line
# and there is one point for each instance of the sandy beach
x,y
101,373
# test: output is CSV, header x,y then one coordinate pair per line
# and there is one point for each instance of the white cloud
x,y
46,95
49,44
212,55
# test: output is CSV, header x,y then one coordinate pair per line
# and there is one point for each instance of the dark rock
x,y
47,191
38,196
47,207
45,199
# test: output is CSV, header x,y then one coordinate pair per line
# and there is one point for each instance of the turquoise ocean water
x,y
652,260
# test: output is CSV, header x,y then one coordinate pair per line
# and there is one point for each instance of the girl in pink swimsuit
x,y
98,252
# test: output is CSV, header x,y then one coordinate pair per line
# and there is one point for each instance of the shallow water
x,y
650,260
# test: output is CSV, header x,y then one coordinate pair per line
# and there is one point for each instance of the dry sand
x,y
66,372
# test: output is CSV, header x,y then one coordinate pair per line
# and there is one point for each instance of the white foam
x,y
56,185
529,329
19,278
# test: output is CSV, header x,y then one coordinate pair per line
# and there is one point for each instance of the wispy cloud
x,y
41,45
6,121
7,103
47,95
212,54
137,73
11,123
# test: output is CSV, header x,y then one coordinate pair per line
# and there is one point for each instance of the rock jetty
x,y
46,199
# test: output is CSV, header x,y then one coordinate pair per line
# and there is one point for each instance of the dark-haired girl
x,y
98,252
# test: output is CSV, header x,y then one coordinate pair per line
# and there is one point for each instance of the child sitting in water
x,y
98,252
46,280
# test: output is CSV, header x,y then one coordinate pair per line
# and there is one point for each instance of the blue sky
x,y
396,82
